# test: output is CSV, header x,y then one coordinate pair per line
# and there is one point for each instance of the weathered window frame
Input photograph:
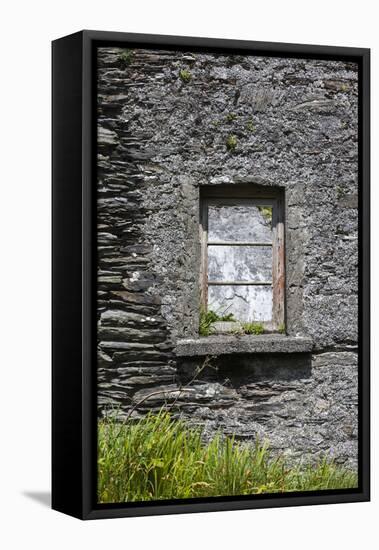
x,y
241,195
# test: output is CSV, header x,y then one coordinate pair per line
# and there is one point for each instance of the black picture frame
x,y
74,264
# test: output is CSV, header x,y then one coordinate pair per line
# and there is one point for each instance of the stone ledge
x,y
226,345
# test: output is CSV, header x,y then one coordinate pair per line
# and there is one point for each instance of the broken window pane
x,y
247,303
239,263
241,223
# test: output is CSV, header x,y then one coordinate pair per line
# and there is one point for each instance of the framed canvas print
x,y
210,274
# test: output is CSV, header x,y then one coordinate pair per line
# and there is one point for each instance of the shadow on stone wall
x,y
242,370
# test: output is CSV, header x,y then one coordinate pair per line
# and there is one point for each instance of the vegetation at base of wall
x,y
282,328
231,143
125,58
185,75
158,457
252,328
207,318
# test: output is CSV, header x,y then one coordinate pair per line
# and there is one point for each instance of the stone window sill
x,y
226,345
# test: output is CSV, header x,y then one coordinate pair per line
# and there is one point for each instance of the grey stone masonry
x,y
226,345
161,138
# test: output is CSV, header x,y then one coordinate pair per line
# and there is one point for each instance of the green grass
x,y
209,317
161,458
253,328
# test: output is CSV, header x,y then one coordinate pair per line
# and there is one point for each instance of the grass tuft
x,y
160,458
207,318
253,328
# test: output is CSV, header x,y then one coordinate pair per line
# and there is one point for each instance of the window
x,y
242,260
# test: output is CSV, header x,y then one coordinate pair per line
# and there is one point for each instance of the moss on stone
x,y
266,211
250,126
231,142
339,191
125,58
185,75
230,117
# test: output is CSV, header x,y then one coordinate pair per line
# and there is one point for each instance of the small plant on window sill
x,y
207,318
253,328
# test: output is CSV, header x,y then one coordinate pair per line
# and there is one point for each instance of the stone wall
x,y
162,135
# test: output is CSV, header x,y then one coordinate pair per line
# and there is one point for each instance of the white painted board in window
x,y
243,223
239,263
246,302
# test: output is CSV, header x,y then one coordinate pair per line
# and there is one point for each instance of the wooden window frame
x,y
236,195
